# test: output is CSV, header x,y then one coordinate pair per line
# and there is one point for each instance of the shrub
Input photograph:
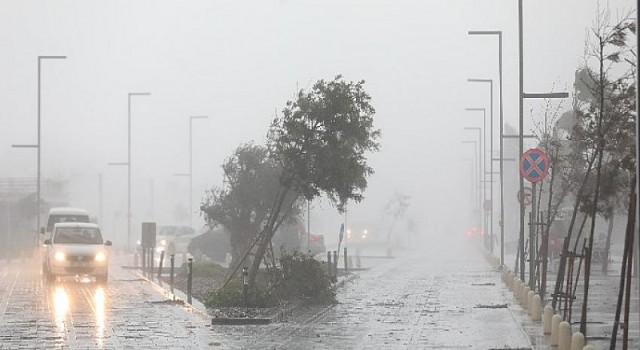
x,y
305,278
231,296
301,277
204,269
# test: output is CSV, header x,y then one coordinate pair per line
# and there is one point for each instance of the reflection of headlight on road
x,y
138,242
364,236
163,242
59,256
159,249
101,257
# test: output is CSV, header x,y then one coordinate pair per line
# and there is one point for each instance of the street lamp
x,y
128,164
477,151
483,152
478,157
490,81
190,173
498,33
38,145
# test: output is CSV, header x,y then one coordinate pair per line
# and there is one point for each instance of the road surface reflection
x,y
79,303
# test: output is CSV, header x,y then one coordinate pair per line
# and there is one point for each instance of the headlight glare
x,y
59,256
101,257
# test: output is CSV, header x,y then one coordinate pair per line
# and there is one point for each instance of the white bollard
x,y
589,347
577,341
555,328
525,297
564,336
546,321
530,295
536,308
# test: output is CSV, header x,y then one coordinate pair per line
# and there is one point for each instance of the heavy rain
x,y
319,174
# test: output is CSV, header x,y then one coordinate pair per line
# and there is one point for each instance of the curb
x,y
559,331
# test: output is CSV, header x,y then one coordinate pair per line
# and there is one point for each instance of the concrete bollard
x,y
524,296
530,295
546,320
536,308
555,328
589,347
577,341
564,336
189,279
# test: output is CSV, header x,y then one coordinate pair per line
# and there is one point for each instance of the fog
x,y
238,62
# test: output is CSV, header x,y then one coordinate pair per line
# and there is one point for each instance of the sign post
x,y
534,167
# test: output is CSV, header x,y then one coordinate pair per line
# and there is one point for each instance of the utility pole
x,y
498,33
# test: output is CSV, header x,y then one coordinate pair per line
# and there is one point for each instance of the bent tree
x,y
320,143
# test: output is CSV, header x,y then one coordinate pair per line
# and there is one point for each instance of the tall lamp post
x,y
490,81
128,163
483,152
477,151
190,173
478,157
498,33
38,204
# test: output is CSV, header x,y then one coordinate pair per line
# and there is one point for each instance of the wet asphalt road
x,y
433,299
126,313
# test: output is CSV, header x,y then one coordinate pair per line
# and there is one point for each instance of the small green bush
x,y
231,296
305,278
204,269
301,277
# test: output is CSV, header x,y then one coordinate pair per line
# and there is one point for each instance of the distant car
x,y
174,239
316,244
358,236
76,249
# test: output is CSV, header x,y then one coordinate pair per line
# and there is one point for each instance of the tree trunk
x,y
596,195
565,246
267,233
607,245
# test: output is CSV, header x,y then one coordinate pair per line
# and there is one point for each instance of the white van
x,y
63,214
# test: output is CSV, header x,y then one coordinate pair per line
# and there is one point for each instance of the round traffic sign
x,y
534,165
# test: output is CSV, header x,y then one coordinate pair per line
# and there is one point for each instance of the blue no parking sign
x,y
534,165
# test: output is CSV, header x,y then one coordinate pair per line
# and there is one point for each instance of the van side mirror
x,y
41,230
47,242
108,243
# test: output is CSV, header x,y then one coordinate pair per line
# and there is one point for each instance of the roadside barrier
x,y
536,308
245,286
173,262
553,324
555,329
160,265
530,295
189,278
564,336
577,341
546,323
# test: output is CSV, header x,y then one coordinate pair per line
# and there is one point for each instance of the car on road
x,y
174,239
316,245
76,249
63,214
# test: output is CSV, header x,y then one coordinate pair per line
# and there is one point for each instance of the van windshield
x,y
54,219
77,235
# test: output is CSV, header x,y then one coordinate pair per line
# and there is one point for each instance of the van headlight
x,y
101,257
59,256
163,242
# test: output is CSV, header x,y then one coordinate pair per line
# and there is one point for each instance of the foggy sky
x,y
239,61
